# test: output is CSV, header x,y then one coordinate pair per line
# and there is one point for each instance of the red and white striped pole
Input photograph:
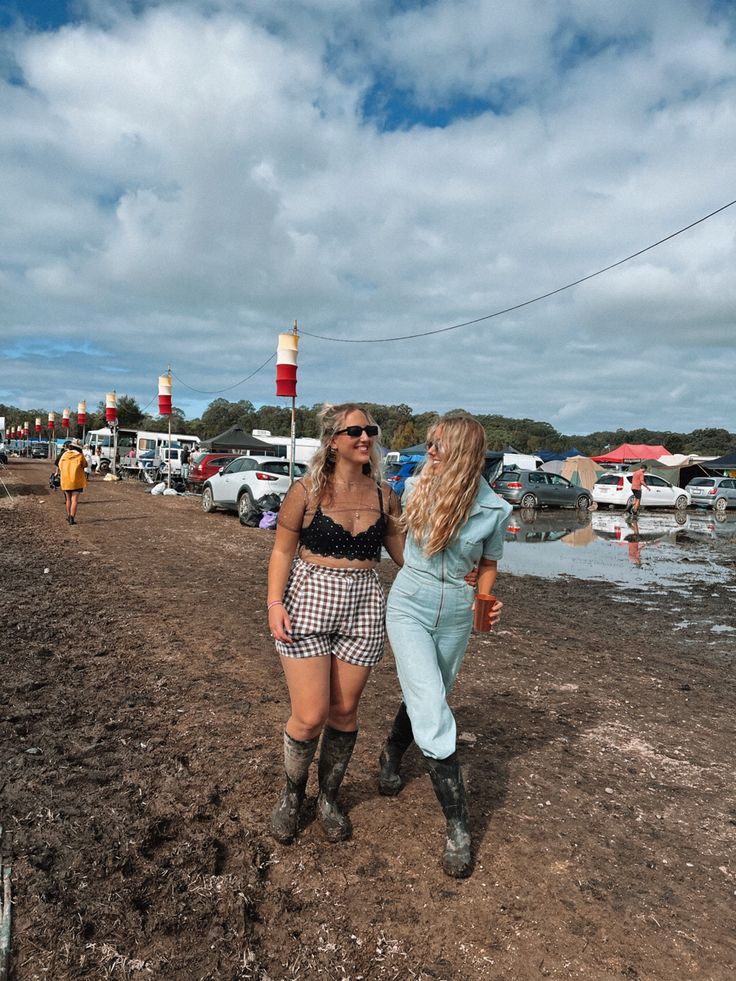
x,y
51,428
164,409
82,418
286,365
111,418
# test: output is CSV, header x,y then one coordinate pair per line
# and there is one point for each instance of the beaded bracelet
x,y
274,603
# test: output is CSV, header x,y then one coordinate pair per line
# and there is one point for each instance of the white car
x,y
243,482
614,489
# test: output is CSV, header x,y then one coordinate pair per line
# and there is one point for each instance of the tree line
x,y
400,427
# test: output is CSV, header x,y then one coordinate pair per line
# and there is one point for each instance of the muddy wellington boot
x,y
399,740
447,780
337,748
298,755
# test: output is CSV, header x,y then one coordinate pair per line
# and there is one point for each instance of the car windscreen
x,y
703,482
609,478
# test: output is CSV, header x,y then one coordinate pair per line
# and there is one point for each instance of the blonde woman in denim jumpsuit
x,y
454,521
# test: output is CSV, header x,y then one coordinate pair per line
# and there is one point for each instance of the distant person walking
x,y
637,481
72,468
185,453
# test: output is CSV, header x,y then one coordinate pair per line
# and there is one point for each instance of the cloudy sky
x,y
182,179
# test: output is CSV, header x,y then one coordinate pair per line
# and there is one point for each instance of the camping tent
x,y
547,455
632,452
236,438
581,470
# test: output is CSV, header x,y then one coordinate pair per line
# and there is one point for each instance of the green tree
x,y
404,435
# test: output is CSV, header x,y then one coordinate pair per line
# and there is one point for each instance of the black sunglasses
x,y
354,431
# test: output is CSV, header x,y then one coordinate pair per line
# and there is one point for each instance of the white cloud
x,y
180,185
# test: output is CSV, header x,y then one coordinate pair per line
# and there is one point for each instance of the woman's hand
x,y
495,614
279,624
472,577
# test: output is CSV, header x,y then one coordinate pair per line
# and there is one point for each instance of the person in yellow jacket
x,y
73,478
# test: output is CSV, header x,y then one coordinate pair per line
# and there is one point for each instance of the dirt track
x,y
142,706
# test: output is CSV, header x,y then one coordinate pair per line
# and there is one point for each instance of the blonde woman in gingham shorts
x,y
326,608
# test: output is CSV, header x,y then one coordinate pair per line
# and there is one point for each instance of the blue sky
x,y
179,181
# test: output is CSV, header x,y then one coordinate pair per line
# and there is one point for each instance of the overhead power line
x,y
229,387
525,303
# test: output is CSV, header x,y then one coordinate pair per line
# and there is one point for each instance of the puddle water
x,y
660,549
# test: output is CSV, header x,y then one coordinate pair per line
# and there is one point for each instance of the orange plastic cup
x,y
484,603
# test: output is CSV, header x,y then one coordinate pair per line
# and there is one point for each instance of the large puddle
x,y
660,549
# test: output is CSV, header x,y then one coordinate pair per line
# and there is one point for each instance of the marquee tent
x,y
632,452
235,438
725,462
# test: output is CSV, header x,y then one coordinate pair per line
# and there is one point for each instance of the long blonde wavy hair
x,y
322,466
440,504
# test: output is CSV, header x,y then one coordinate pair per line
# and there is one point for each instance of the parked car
x,y
614,489
204,465
397,474
718,493
244,481
533,488
40,450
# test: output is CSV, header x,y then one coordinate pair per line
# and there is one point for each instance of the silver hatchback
x,y
718,493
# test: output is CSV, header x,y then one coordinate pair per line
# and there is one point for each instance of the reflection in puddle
x,y
663,549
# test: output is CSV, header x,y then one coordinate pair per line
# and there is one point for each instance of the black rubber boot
x,y
447,780
399,740
285,816
337,748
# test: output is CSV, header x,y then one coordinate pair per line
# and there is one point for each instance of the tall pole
x,y
293,429
168,476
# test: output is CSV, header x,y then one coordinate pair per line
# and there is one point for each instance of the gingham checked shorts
x,y
335,611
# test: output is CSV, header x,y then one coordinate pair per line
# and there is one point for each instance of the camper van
x,y
137,440
101,442
305,446
157,441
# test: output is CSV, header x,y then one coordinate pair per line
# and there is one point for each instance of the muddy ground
x,y
142,709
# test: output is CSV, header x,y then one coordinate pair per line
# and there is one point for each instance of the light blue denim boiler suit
x,y
429,618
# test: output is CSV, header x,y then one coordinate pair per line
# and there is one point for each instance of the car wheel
x,y
680,518
528,501
681,502
582,501
208,501
245,504
721,504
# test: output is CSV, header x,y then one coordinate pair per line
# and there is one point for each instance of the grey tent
x,y
236,438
